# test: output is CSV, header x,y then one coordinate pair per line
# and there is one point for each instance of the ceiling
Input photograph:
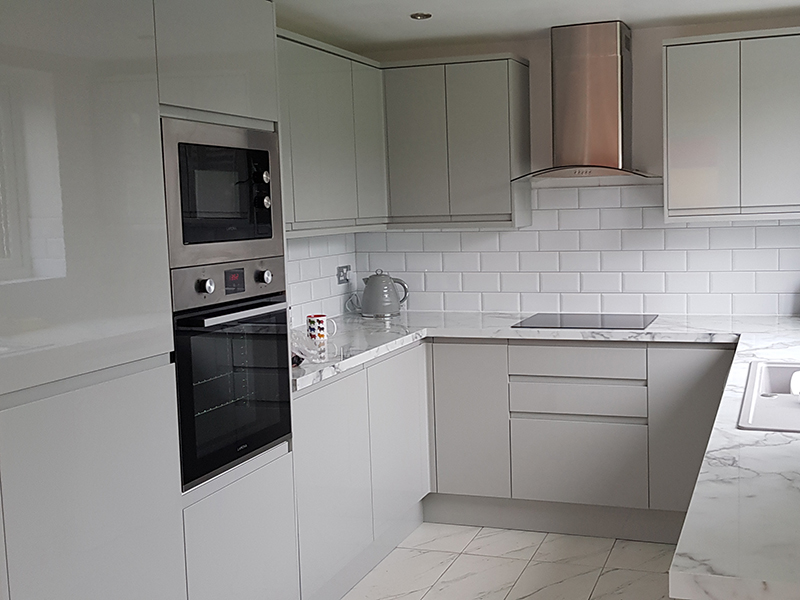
x,y
363,25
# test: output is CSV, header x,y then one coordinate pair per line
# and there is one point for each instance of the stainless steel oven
x,y
232,362
223,193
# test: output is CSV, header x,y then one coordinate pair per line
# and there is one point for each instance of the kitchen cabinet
x,y
472,426
241,540
218,57
730,126
685,384
457,134
398,425
370,132
91,492
331,447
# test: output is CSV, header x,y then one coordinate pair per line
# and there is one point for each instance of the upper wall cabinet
x,y
218,56
731,125
457,134
333,145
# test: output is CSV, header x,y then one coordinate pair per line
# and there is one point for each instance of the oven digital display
x,y
234,281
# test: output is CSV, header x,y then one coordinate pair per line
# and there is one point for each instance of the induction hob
x,y
586,321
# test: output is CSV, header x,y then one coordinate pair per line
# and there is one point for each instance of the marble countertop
x,y
741,537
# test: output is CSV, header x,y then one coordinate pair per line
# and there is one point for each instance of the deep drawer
x,y
608,361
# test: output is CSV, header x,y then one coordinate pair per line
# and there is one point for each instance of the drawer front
x,y
608,361
579,462
579,399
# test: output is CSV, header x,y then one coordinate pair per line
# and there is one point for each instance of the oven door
x,y
233,372
223,193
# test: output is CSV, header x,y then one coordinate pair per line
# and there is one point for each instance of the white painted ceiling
x,y
362,25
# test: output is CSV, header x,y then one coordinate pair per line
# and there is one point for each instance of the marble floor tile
x,y
641,556
505,543
620,584
574,549
477,578
405,574
555,581
438,536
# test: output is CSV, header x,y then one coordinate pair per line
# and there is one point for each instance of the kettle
x,y
380,298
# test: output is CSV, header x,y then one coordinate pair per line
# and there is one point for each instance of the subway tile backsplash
x,y
588,249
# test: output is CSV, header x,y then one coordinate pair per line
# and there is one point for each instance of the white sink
x,y
768,405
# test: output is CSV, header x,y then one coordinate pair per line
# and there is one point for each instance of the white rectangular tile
x,y
756,304
621,218
350,242
579,261
688,283
647,283
622,303
299,293
337,244
544,220
733,283
502,302
558,198
461,261
560,282
318,246
480,241
293,271
415,281
644,195
778,237
442,282
499,261
709,304
403,242
789,304
481,282
581,218
601,282
788,259
388,261
538,261
643,239
664,260
600,240
362,263
780,282
469,302
728,238
653,218
625,260
756,260
709,260
519,282
423,261
320,288
599,197
441,242
516,241
426,301
558,240
296,249
309,269
580,303
665,304
686,239
533,303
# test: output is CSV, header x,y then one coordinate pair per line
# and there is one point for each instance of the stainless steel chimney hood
x,y
591,94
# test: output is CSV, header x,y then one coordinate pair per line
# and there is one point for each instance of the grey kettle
x,y
380,298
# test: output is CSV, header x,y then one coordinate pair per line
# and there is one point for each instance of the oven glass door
x,y
233,384
225,194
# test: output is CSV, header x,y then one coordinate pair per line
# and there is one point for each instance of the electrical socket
x,y
343,274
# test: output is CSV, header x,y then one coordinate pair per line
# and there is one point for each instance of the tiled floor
x,y
451,562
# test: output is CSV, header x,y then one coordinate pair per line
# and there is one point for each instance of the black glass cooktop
x,y
586,321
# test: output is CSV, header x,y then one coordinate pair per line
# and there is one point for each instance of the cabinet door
x,y
284,128
472,425
770,125
330,433
684,389
319,89
478,138
579,462
702,128
91,492
370,124
417,134
398,423
241,541
218,56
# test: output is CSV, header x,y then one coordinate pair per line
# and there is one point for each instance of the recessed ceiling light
x,y
420,16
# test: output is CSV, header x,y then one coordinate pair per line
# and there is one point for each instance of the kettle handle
x,y
404,285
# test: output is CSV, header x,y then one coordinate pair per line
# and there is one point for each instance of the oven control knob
x,y
267,201
265,176
264,276
206,286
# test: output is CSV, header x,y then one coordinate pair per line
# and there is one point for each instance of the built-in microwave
x,y
222,186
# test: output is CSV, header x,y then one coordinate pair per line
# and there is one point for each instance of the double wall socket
x,y
343,274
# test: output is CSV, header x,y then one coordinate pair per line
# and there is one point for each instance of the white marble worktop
x,y
741,537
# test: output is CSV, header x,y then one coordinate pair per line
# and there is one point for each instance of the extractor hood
x,y
591,93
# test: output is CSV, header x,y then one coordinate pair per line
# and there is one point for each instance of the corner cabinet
x,y
458,133
218,57
731,125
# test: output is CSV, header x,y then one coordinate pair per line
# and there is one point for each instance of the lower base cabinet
x,y
241,541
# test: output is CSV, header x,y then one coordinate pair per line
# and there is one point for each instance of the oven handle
x,y
245,314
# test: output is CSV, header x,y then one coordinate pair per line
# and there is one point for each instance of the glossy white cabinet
x,y
218,56
702,129
370,132
84,276
398,425
472,427
241,541
91,492
331,448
